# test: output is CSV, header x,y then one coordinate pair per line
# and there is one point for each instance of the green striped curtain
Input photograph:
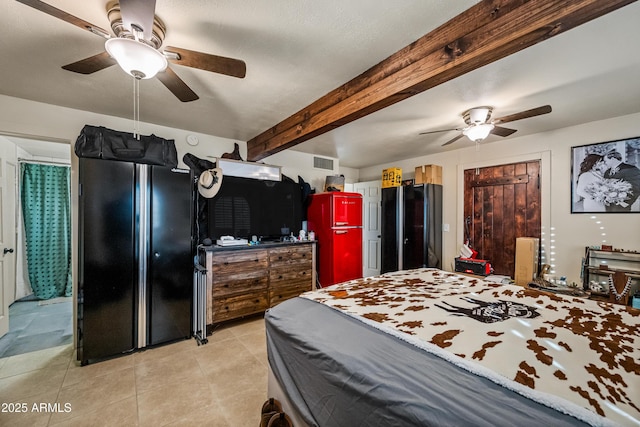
x,y
47,225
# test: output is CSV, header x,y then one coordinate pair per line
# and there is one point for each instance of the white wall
x,y
295,163
565,235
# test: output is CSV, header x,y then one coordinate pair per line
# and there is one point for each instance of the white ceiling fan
x,y
480,125
137,46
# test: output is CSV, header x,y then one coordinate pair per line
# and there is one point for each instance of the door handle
x,y
7,251
342,232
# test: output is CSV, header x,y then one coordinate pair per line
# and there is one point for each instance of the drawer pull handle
x,y
280,276
226,263
256,260
304,272
280,257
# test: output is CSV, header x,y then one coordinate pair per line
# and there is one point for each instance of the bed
x,y
427,347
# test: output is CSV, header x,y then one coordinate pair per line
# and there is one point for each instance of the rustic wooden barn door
x,y
500,204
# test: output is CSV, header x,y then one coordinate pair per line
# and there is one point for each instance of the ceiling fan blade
x,y
451,141
176,85
204,61
139,13
61,14
438,131
545,109
91,64
500,131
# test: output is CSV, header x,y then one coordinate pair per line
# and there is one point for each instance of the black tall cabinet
x,y
135,266
411,234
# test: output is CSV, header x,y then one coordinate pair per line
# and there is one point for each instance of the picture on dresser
x,y
605,177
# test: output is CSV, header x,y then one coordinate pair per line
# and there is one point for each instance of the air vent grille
x,y
322,163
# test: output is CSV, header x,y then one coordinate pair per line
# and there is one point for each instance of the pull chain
x,y
136,108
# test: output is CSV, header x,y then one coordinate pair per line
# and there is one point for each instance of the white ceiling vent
x,y
322,163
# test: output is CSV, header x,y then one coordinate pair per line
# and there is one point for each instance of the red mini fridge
x,y
336,219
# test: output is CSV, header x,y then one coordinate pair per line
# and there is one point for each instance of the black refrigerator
x,y
135,257
411,235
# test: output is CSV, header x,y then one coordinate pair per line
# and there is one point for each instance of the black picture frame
x,y
605,177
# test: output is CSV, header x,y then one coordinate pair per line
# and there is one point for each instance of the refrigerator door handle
x,y
341,223
341,232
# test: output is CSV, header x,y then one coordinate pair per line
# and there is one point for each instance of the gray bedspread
x,y
338,371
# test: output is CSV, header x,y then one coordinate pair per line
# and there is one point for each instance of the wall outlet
x,y
445,227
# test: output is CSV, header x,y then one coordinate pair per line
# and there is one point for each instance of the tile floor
x,y
219,384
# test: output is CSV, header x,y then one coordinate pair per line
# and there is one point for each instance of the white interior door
x,y
8,176
371,210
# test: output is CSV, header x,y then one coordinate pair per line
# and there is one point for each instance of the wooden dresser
x,y
247,280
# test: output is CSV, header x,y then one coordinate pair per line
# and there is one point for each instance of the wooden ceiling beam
x,y
484,33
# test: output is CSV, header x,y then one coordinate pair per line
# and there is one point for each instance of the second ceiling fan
x,y
138,32
480,125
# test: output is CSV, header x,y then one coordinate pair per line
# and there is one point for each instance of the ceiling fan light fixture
x,y
478,132
136,58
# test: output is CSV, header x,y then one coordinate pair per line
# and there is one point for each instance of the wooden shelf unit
x,y
600,264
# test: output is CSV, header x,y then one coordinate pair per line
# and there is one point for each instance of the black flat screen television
x,y
245,207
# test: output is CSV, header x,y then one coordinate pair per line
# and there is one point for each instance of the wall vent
x,y
322,163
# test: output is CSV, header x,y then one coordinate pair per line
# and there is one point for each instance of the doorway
x,y
32,324
502,203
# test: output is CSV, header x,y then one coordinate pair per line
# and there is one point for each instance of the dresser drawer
x,y
241,273
290,255
279,277
278,295
239,306
222,288
232,262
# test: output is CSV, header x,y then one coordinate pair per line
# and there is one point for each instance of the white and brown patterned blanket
x,y
538,344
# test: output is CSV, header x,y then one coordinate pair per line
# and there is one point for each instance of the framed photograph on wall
x,y
605,177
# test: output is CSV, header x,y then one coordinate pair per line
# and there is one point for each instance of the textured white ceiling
x,y
296,51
